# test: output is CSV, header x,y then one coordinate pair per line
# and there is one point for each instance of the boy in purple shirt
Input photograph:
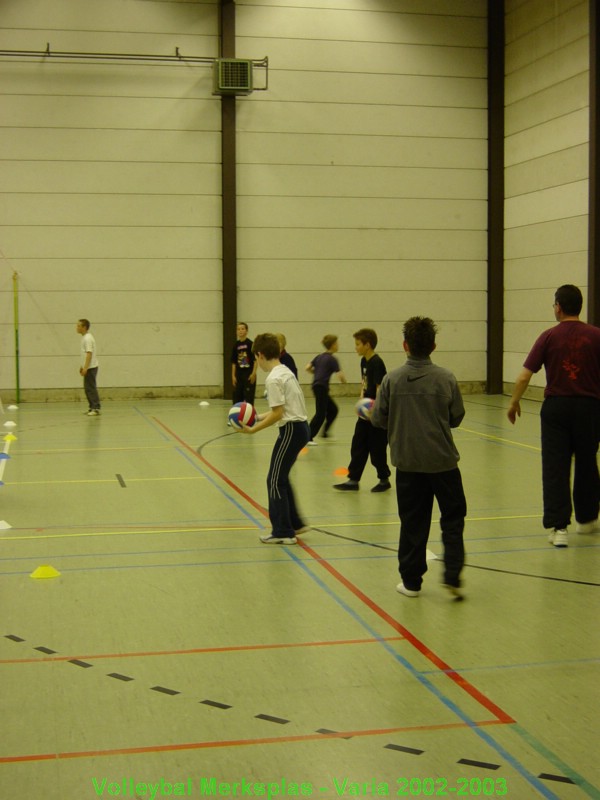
x,y
323,367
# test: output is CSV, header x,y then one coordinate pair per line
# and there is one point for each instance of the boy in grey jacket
x,y
418,404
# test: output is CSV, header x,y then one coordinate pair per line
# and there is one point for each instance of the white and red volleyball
x,y
242,415
364,407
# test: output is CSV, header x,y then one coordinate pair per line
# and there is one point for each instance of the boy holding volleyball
x,y
368,440
287,412
418,404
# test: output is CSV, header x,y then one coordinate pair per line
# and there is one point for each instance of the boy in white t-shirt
x,y
288,413
89,367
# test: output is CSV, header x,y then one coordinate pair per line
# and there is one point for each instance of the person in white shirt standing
x,y
288,413
89,367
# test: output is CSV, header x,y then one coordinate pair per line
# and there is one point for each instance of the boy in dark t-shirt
x,y
368,441
243,367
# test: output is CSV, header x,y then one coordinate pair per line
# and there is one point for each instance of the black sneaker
x,y
346,487
382,486
455,591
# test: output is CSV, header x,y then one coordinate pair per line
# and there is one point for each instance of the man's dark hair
x,y
419,335
366,336
268,345
569,298
85,323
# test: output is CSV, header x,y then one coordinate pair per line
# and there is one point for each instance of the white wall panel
x,y
544,271
456,276
110,191
362,172
161,147
141,305
359,212
547,238
362,119
380,89
138,113
110,15
295,180
82,241
553,169
143,371
364,23
163,338
363,244
550,71
548,138
560,99
99,274
295,149
536,29
557,202
547,131
118,210
104,177
461,8
390,305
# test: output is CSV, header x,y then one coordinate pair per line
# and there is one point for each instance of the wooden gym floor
x,y
151,646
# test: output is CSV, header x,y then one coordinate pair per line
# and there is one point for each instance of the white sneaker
x,y
558,537
270,539
312,443
406,592
587,527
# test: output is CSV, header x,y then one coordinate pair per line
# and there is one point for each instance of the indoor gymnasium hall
x,y
180,177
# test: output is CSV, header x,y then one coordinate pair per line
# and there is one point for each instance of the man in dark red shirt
x,y
570,415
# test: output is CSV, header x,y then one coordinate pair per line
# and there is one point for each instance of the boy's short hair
x,y
245,324
329,340
366,336
267,344
419,335
570,299
85,323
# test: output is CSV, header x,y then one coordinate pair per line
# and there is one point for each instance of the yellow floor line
x,y
395,522
501,439
125,533
104,480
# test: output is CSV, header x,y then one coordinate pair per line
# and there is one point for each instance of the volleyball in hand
x,y
364,407
242,415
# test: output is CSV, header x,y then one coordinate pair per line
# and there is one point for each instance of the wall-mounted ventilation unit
x,y
232,76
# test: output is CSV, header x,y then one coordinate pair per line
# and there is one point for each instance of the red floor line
x,y
221,475
199,650
169,748
412,639
422,648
